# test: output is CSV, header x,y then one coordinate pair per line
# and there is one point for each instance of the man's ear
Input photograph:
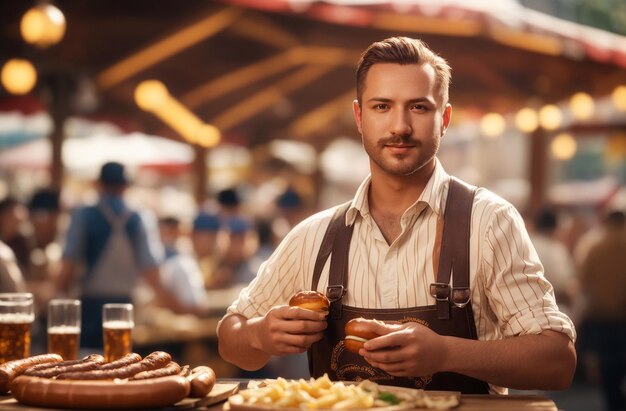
x,y
356,108
446,116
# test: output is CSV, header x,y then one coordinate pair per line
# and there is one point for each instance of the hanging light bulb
x,y
550,117
492,124
526,120
563,146
43,25
18,76
582,106
619,97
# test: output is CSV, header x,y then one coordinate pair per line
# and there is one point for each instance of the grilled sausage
x,y
202,380
128,359
11,369
157,359
90,362
171,368
118,394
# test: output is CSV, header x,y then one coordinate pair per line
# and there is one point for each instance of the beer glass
x,y
64,328
16,316
117,328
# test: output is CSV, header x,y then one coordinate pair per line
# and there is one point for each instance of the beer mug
x,y
64,328
16,316
117,328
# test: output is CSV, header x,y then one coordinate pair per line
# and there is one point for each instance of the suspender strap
x,y
336,241
454,256
338,220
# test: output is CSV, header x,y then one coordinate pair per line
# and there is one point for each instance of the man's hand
x,y
287,330
405,350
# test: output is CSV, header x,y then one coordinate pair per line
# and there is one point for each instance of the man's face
x,y
401,118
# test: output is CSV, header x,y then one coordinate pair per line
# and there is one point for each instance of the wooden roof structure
x,y
260,70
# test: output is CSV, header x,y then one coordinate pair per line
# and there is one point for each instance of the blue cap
x,y
238,225
113,173
206,222
289,199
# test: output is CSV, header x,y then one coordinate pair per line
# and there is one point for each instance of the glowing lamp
x,y
550,117
526,120
43,25
18,76
619,97
563,146
582,106
492,124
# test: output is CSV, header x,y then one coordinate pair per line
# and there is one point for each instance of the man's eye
x,y
419,107
381,106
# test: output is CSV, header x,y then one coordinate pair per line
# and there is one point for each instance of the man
x,y
115,245
497,326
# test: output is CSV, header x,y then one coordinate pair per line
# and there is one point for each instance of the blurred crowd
x,y
159,262
224,244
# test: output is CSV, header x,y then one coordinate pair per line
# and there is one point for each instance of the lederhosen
x,y
451,315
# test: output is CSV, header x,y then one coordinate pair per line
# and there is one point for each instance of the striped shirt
x,y
510,295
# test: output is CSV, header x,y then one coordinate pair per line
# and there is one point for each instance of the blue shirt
x,y
89,232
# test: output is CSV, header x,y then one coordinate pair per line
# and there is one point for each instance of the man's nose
x,y
401,124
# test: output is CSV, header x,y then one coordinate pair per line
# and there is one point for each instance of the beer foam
x,y
118,324
64,329
16,318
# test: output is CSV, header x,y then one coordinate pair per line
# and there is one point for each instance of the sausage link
x,y
128,359
201,380
152,361
90,362
11,369
171,368
154,393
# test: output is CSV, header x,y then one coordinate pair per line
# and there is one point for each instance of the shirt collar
x,y
432,196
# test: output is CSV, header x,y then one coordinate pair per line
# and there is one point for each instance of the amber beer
x,y
117,339
65,341
117,329
64,321
16,317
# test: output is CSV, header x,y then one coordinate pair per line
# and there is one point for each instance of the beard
x,y
405,164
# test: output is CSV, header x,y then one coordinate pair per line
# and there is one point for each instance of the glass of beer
x,y
64,328
117,328
16,316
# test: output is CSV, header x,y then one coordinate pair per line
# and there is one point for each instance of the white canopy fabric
x,y
85,155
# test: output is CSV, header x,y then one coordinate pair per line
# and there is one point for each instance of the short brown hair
x,y
403,50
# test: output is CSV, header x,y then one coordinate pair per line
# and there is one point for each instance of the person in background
x,y
11,279
169,230
204,239
392,252
603,283
112,241
180,272
233,267
13,217
558,264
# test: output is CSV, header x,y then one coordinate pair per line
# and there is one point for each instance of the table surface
x,y
468,403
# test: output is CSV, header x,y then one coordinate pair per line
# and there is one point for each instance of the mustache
x,y
398,140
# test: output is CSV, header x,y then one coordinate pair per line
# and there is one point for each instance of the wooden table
x,y
468,403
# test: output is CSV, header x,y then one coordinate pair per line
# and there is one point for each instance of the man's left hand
x,y
405,350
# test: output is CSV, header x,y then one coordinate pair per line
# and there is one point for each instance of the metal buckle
x,y
335,292
463,296
440,291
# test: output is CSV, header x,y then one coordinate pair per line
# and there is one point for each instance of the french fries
x,y
324,394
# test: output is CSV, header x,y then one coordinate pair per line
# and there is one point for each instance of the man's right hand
x,y
287,330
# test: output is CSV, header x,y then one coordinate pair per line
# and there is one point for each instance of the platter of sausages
x,y
131,382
